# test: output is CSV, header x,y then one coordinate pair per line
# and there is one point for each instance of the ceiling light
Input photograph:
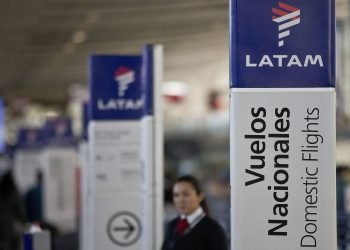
x,y
79,37
51,113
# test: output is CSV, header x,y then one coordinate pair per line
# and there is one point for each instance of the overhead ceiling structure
x,y
45,44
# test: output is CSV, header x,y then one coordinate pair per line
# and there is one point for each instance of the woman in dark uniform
x,y
193,229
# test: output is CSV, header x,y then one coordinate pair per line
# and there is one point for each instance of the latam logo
x,y
286,17
60,128
31,136
120,104
124,77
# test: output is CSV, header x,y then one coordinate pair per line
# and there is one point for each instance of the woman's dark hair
x,y
195,184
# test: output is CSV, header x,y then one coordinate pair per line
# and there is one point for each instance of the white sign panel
x,y
85,194
283,169
115,156
115,162
26,168
60,200
152,198
117,224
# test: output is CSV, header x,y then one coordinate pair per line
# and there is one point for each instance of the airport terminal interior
x,y
45,72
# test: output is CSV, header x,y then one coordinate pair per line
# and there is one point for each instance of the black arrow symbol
x,y
129,228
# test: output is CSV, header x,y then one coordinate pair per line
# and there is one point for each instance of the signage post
x,y
59,163
27,158
152,148
84,185
114,141
2,127
282,125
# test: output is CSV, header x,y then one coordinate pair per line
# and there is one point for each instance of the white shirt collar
x,y
194,216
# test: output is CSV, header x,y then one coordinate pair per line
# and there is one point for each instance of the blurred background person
x,y
12,213
33,201
193,229
34,209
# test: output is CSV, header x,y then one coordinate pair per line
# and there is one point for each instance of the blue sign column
x,y
282,124
114,140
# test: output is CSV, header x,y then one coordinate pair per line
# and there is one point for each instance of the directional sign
x,y
282,124
124,228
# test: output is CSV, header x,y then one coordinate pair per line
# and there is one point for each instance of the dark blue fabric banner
x,y
282,44
115,87
30,138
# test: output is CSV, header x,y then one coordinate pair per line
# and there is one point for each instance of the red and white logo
x,y
60,128
286,16
124,77
31,136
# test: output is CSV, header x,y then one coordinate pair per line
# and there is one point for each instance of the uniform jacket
x,y
207,234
